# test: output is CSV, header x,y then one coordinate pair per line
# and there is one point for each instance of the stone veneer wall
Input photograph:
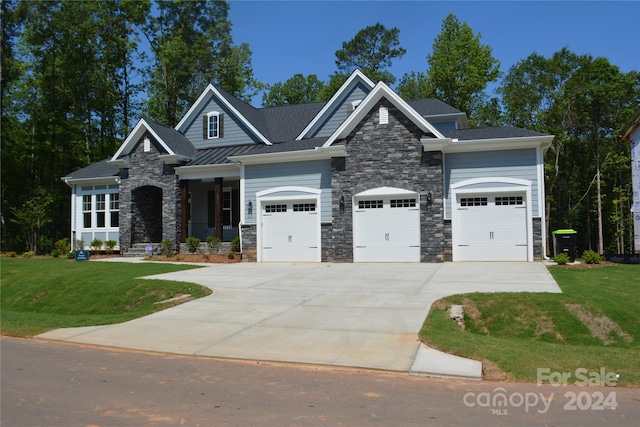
x,y
147,169
388,155
248,237
537,239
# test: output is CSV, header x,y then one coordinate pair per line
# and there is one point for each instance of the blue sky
x,y
289,37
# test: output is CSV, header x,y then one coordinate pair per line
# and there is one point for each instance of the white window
x,y
212,125
100,210
147,144
275,208
114,209
86,211
304,207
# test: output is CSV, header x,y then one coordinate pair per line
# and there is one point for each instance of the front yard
x,y
43,294
593,324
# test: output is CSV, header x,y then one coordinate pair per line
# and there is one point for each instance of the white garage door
x,y
387,229
492,228
290,231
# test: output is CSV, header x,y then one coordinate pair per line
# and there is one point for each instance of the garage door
x,y
290,231
492,228
387,229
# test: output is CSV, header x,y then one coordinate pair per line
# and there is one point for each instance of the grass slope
x,y
516,333
38,295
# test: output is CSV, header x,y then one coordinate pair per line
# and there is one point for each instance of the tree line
x,y
76,74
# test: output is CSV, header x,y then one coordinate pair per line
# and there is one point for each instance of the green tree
x,y
192,46
460,69
70,97
296,90
372,50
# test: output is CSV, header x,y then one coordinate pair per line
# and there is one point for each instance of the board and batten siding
x,y
234,132
340,112
520,164
314,174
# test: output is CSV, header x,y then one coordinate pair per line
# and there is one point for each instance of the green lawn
x,y
38,295
516,333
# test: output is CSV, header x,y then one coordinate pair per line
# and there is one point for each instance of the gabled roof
x,y
172,142
380,91
248,115
356,77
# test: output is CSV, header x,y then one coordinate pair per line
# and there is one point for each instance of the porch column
x,y
184,210
217,206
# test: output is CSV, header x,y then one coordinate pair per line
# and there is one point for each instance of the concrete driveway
x,y
355,315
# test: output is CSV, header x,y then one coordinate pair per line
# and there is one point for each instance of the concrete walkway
x,y
354,315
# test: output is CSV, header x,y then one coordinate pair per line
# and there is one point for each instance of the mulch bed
x,y
203,258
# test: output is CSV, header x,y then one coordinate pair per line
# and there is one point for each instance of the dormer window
x,y
212,125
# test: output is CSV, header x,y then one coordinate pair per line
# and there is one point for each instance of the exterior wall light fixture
x,y
250,208
429,198
341,204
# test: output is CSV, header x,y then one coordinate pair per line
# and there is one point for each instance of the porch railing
x,y
202,231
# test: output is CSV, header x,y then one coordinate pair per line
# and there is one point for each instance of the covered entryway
x,y
386,224
146,214
491,224
289,227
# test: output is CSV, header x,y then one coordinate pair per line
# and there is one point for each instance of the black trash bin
x,y
564,241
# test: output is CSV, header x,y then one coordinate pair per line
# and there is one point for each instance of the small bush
x,y
591,257
167,247
109,245
193,243
63,246
11,254
214,244
96,245
55,253
231,255
235,244
28,254
71,255
561,259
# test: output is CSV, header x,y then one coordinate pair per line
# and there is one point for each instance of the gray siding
x,y
521,164
339,114
234,131
312,174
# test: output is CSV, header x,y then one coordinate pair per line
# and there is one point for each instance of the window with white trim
x,y
86,210
304,207
275,208
509,200
101,210
114,209
369,204
403,203
473,201
212,125
384,115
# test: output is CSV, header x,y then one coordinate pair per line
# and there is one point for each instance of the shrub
x,y
109,245
561,259
591,257
11,254
235,244
55,253
167,247
28,254
63,246
231,255
71,255
192,244
96,245
214,244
